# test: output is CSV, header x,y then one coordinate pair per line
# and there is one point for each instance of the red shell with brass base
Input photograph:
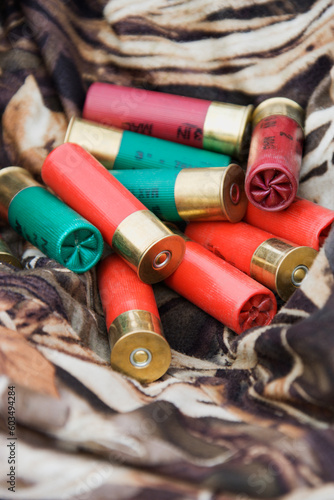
x,y
221,290
138,346
121,290
171,117
277,264
199,123
303,222
125,223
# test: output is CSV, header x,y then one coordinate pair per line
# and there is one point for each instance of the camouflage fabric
x,y
235,417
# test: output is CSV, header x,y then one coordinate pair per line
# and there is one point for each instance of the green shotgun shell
x,y
48,223
122,149
207,194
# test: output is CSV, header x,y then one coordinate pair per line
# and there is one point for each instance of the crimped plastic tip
x,y
80,248
257,311
270,188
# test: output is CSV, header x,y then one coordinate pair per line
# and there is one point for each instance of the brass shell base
x,y
211,193
12,181
148,246
6,257
280,266
226,128
138,348
279,106
101,141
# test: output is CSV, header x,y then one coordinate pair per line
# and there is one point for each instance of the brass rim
x,y
234,207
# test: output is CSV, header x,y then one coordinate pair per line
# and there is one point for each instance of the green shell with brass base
x,y
56,229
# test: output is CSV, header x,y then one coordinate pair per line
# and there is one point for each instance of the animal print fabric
x,y
235,417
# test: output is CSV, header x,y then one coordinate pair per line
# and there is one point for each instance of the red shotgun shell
x,y
220,127
134,232
221,290
303,222
275,154
138,347
275,263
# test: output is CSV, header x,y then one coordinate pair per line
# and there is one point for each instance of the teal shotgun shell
x,y
48,223
207,194
119,149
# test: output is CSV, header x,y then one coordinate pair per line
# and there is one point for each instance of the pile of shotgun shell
x,y
153,187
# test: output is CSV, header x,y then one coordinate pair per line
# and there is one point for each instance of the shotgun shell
x,y
134,232
6,256
138,347
213,193
275,154
221,290
275,263
121,149
46,222
211,125
303,222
